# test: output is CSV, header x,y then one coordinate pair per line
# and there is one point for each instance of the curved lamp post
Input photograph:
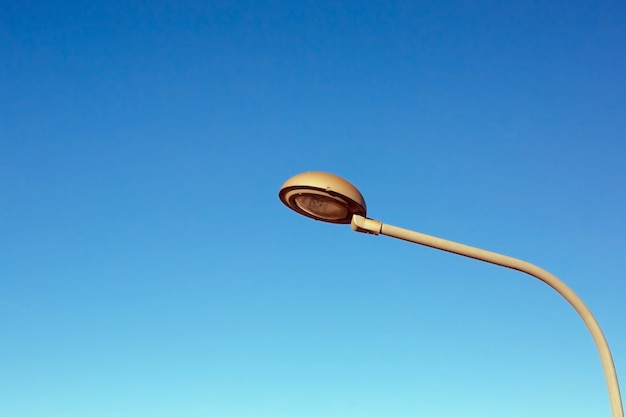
x,y
329,198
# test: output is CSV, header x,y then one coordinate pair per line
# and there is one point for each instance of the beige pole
x,y
366,225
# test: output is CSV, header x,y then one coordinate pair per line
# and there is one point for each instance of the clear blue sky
x,y
147,267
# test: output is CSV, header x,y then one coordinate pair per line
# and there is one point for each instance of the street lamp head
x,y
323,196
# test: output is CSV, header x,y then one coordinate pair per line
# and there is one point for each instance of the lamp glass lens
x,y
321,207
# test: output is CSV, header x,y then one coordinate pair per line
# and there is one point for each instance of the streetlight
x,y
329,198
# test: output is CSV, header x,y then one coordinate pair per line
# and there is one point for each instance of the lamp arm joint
x,y
364,225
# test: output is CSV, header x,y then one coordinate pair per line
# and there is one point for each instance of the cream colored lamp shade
x,y
323,196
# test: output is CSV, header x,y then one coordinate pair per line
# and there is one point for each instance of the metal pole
x,y
363,224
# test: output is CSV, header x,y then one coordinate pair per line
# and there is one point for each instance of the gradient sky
x,y
147,267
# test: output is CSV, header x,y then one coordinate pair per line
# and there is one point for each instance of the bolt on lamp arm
x,y
371,226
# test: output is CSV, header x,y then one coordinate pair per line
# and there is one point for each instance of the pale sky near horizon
x,y
147,267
